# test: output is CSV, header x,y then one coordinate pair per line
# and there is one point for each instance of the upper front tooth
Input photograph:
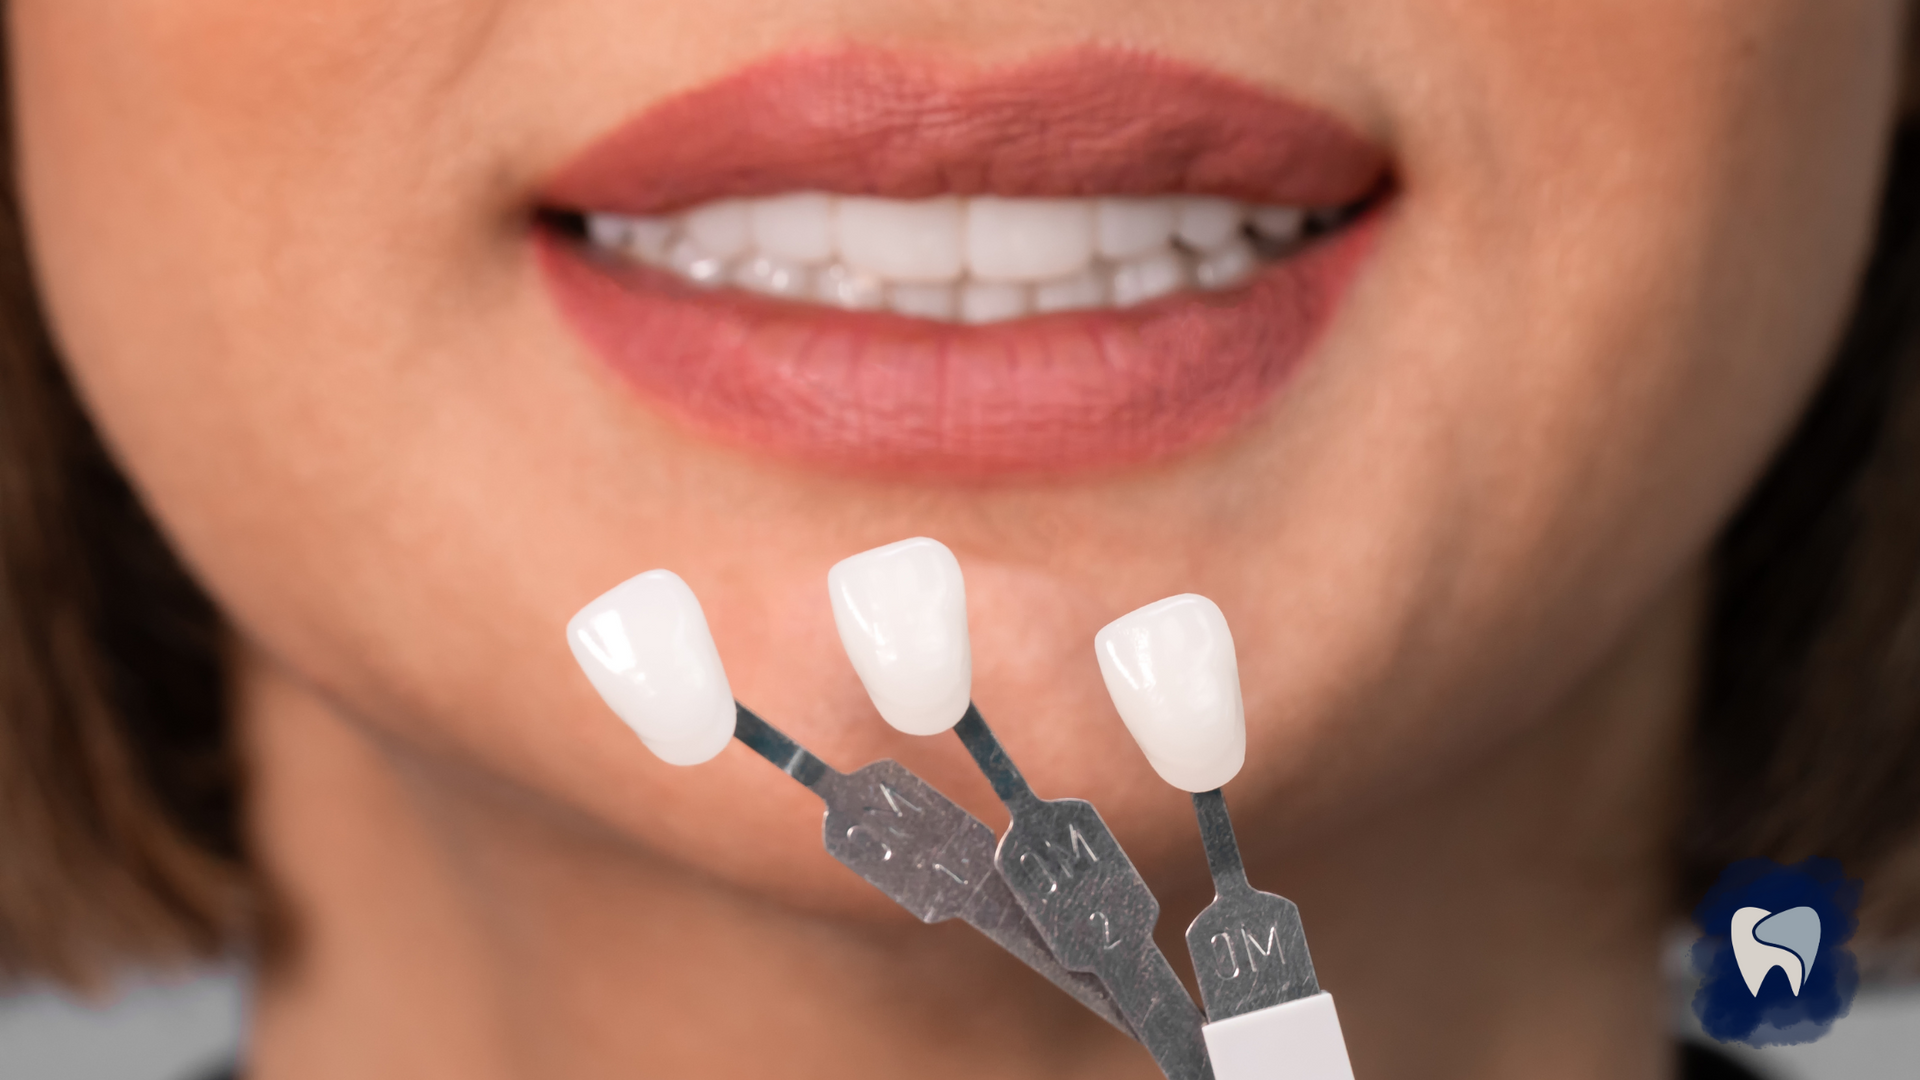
x,y
1171,672
1028,239
1125,228
902,240
797,227
902,615
645,646
1205,223
720,228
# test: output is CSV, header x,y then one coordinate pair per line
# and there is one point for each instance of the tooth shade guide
x,y
1005,258
922,850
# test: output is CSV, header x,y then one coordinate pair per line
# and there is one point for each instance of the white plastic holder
x,y
1297,1040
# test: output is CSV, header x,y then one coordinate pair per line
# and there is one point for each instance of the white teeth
x,y
1171,672
1205,224
1225,267
797,228
914,240
992,301
1085,289
1125,228
902,615
773,277
720,228
1028,239
1148,278
924,301
688,259
850,289
645,646
980,259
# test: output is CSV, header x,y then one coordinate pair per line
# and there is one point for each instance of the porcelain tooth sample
x,y
902,615
645,646
972,259
1171,671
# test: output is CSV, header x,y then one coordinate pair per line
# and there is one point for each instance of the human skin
x,y
286,251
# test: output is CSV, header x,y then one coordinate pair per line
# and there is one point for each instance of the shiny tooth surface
x,y
980,259
850,289
1028,239
1086,289
901,611
1225,267
797,227
1150,277
720,228
926,300
992,301
773,277
1125,228
1279,224
1171,671
693,262
645,646
902,240
1204,223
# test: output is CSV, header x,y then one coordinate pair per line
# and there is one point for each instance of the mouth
x,y
864,261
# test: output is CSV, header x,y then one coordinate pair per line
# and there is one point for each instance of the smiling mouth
x,y
872,263
976,260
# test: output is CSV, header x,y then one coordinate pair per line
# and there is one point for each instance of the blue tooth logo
x,y
1760,916
1763,940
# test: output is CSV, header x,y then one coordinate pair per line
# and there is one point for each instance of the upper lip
x,y
870,122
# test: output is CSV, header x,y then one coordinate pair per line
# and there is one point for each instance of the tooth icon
x,y
1763,940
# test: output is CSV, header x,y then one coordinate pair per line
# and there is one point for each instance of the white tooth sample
x,y
645,646
693,262
1171,672
901,240
1125,228
850,289
1204,223
1144,279
992,301
925,301
793,228
773,277
1085,289
902,615
609,231
1280,224
1225,267
720,228
1028,239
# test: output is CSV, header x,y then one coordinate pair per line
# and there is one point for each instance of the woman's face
x,y
317,274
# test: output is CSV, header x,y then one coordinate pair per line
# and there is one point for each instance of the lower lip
x,y
888,395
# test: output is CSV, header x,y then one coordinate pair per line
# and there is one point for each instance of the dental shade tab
x,y
1171,671
901,611
646,647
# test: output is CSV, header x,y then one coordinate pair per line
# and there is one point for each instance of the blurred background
x,y
183,1028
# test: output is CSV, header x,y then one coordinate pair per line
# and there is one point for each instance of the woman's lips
x,y
883,393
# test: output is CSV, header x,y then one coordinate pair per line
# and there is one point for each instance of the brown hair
x,y
120,799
